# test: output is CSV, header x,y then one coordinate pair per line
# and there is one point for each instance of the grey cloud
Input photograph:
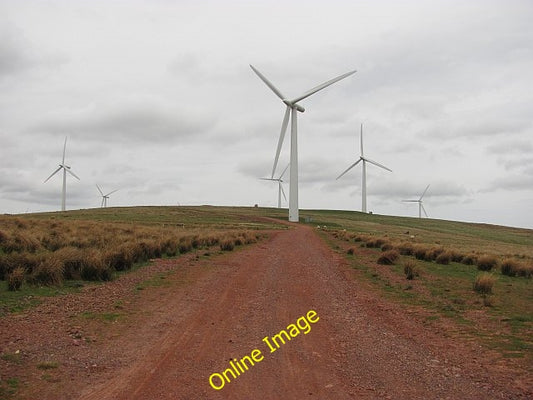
x,y
14,57
139,123
511,147
513,183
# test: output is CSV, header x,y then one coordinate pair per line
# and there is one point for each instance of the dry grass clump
x,y
469,259
420,252
410,270
406,249
444,258
95,269
15,279
486,263
387,246
351,251
375,242
8,262
484,283
359,238
510,267
227,245
456,256
48,272
432,253
526,271
388,257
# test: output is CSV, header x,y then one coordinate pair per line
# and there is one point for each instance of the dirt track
x,y
220,309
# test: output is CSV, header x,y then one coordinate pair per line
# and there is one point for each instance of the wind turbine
x,y
420,205
280,186
364,160
105,197
291,110
65,169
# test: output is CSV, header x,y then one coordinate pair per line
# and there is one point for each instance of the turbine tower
x,y
364,160
420,205
292,108
65,169
105,197
280,186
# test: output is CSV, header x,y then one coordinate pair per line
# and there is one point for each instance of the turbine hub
x,y
293,105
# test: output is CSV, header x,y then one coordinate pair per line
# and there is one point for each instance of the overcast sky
x,y
158,100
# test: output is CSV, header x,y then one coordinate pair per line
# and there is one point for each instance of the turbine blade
x,y
281,137
322,86
282,191
53,173
350,167
64,150
268,179
283,173
411,201
100,190
268,83
378,164
110,193
72,173
423,209
361,140
427,187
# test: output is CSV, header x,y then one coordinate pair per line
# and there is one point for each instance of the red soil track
x,y
362,347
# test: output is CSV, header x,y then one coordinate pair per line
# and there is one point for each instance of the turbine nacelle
x,y
293,105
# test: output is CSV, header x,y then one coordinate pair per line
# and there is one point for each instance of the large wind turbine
x,y
420,205
364,160
291,110
65,169
280,186
105,197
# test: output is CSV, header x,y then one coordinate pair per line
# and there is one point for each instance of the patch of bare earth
x,y
171,338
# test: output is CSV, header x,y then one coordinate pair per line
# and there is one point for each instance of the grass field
x,y
115,239
53,253
444,290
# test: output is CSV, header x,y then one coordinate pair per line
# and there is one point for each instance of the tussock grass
x,y
444,258
484,283
469,259
420,252
388,257
410,270
387,246
15,279
510,267
227,245
486,263
406,249
50,251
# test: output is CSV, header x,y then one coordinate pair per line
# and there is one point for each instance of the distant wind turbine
x,y
364,160
420,205
66,169
105,197
291,110
280,186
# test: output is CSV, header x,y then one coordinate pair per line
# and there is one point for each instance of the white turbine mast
x,y
364,160
420,205
65,169
280,186
105,197
292,108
